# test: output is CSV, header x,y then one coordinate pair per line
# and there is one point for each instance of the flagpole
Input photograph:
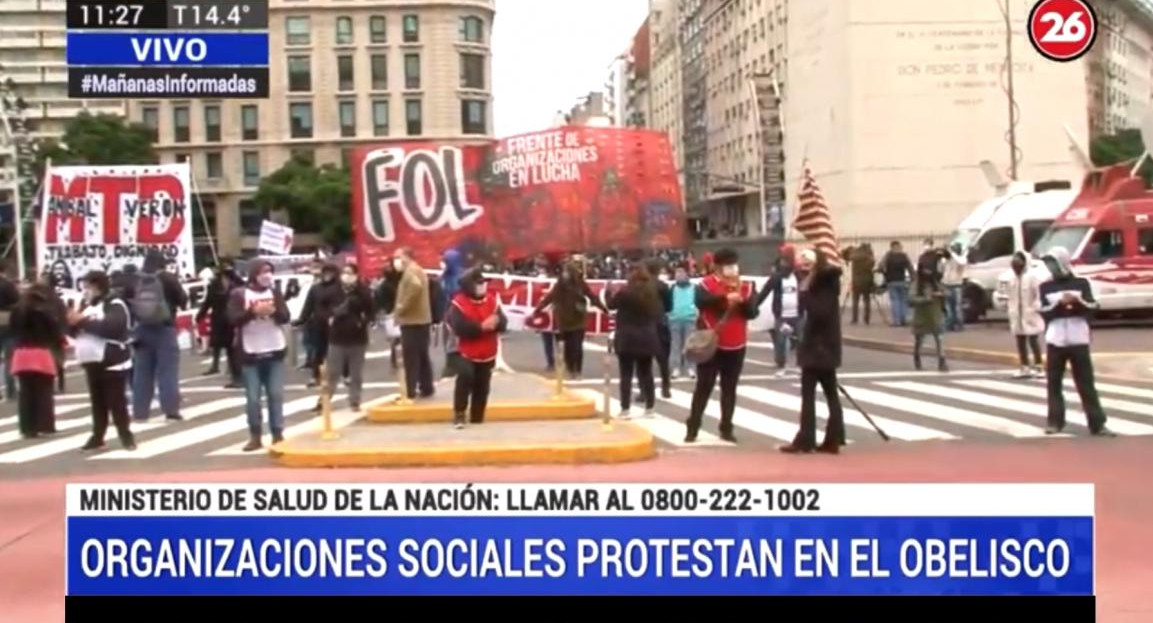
x,y
199,207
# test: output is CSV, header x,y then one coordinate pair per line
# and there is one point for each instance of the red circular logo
x,y
1062,30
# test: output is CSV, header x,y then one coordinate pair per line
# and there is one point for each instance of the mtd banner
x,y
102,218
562,190
570,541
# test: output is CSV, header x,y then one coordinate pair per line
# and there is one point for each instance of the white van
x,y
1000,227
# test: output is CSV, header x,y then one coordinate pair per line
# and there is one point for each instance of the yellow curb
x,y
569,407
639,446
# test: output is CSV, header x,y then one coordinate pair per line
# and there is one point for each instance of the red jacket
x,y
465,316
734,333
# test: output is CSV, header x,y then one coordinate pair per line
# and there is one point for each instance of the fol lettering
x,y
426,187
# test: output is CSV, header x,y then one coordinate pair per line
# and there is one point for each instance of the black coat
x,y
820,344
36,323
636,332
215,305
351,317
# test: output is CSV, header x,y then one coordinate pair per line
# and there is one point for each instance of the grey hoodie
x,y
1065,280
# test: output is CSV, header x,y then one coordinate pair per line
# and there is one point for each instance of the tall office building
x,y
638,86
695,139
666,101
343,75
1120,66
32,44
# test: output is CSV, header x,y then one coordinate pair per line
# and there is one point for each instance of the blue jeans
x,y
785,341
954,310
680,331
267,375
899,303
155,367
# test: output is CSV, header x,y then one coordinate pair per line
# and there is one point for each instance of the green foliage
x,y
99,140
317,199
1124,146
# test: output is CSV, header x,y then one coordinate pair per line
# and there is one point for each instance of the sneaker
x,y
458,421
625,414
782,373
1103,432
128,443
1036,371
1024,373
650,412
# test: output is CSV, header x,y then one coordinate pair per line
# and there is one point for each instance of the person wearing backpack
x,y
156,297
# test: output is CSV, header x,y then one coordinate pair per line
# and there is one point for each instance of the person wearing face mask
x,y
259,313
784,288
953,279
1067,304
443,290
316,315
570,297
385,300
214,308
413,314
101,345
819,355
475,317
306,336
726,306
682,321
896,268
927,301
348,334
1025,321
665,294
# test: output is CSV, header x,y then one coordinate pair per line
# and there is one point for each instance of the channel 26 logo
x,y
1062,30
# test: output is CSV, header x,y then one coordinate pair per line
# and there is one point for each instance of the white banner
x,y
106,217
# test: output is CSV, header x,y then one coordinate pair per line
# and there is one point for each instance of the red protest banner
x,y
566,189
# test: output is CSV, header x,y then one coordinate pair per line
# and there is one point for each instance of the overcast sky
x,y
547,53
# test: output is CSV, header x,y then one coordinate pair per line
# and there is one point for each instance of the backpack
x,y
149,305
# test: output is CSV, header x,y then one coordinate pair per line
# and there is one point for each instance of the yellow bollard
x,y
401,379
559,393
327,432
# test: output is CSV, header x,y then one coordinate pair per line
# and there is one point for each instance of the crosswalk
x,y
910,407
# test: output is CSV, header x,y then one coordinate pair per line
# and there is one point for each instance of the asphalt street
x,y
970,403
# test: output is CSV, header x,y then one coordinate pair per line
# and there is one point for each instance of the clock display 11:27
x,y
117,14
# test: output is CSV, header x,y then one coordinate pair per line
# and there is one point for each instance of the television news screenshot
x,y
573,311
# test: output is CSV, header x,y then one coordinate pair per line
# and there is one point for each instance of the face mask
x,y
480,289
348,280
730,271
398,264
264,280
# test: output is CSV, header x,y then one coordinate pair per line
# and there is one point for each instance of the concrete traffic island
x,y
528,422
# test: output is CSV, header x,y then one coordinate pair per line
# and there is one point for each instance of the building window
x,y
299,74
150,118
474,117
251,216
180,131
298,30
411,28
181,158
345,73
377,29
380,118
412,71
250,122
348,119
472,71
303,154
300,118
379,72
212,123
472,29
413,118
343,30
214,165
251,168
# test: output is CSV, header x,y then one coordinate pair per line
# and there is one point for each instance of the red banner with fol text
x,y
562,190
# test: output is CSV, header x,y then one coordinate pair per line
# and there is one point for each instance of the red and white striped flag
x,y
813,220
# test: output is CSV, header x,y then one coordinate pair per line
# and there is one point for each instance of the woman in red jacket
x,y
727,305
476,319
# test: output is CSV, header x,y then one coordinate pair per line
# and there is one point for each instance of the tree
x,y
317,199
98,140
1124,146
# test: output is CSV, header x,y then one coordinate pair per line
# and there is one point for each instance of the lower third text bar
x,y
167,82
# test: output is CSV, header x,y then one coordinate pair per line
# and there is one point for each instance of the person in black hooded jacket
x,y
819,355
319,303
215,308
101,345
348,334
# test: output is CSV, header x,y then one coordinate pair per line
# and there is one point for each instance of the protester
x,y
156,297
385,297
897,269
1025,321
306,336
475,317
927,301
102,332
549,337
863,286
316,316
9,296
726,305
953,279
819,356
570,297
348,334
1067,306
784,288
259,313
214,310
451,268
33,331
682,321
656,269
413,314
636,339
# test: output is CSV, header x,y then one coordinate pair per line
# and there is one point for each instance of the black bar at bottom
x,y
167,82
581,609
